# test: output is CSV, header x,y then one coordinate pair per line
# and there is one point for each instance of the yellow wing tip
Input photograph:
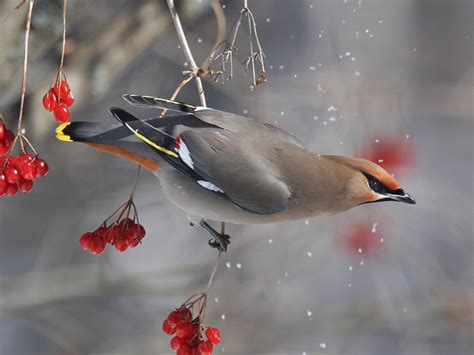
x,y
60,134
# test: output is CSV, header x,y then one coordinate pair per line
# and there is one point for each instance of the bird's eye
x,y
375,185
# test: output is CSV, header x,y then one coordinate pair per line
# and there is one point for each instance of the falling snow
x,y
374,227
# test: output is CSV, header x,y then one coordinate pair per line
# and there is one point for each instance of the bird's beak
x,y
403,197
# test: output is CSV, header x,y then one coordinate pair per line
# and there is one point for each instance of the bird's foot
x,y
219,241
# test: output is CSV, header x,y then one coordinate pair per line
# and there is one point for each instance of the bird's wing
x,y
226,120
218,160
224,160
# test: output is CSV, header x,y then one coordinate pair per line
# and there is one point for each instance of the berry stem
x,y
61,74
30,145
135,182
214,271
63,50
25,72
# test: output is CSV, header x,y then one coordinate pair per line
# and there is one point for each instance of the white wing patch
x,y
186,158
185,155
210,186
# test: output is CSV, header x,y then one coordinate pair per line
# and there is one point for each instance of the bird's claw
x,y
220,242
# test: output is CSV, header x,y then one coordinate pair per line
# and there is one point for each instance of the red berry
x,y
27,170
185,314
121,244
205,348
12,175
2,130
126,223
134,242
174,318
140,231
184,350
100,232
61,89
97,244
168,328
14,161
27,158
127,236
213,335
8,138
3,191
68,100
50,101
11,189
25,185
114,233
3,181
184,329
3,148
61,113
85,240
177,343
42,167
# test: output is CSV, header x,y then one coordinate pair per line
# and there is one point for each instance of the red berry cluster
x,y
17,172
190,336
59,99
122,233
6,139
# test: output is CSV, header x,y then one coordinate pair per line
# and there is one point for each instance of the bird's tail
x,y
77,131
113,139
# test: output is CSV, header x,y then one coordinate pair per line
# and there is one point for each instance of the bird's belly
x,y
198,201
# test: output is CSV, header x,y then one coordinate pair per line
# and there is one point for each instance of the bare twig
x,y
227,49
187,50
221,29
25,72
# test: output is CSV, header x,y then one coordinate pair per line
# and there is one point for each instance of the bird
x,y
219,166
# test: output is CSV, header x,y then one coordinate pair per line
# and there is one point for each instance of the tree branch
x,y
187,50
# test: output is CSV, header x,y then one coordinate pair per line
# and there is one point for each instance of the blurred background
x,y
390,80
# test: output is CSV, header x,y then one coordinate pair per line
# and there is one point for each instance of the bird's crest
x,y
368,167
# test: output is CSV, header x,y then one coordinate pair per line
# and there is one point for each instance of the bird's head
x,y
369,182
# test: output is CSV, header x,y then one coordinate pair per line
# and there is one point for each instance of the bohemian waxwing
x,y
224,167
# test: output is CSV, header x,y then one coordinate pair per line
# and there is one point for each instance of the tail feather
x,y
117,141
155,102
76,131
151,135
90,132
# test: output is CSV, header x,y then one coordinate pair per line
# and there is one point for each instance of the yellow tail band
x,y
60,134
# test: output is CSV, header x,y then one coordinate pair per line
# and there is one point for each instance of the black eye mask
x,y
380,188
